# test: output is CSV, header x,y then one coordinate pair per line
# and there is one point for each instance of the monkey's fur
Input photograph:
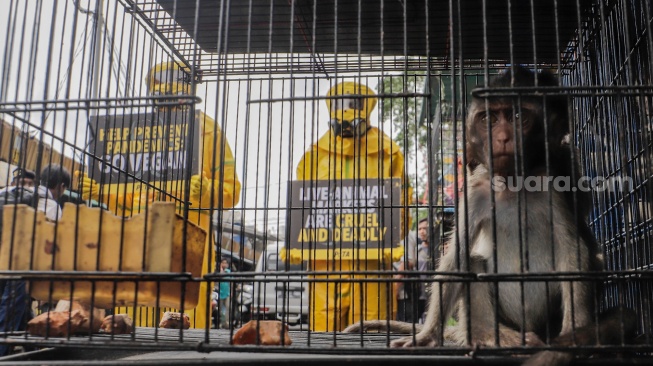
x,y
537,231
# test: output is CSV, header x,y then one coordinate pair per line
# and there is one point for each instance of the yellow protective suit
x,y
218,178
334,305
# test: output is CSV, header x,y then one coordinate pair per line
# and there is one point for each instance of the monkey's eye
x,y
493,119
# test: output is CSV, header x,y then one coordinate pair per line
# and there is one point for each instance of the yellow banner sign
x,y
155,147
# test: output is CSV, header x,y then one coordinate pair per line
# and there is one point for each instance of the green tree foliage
x,y
403,109
421,116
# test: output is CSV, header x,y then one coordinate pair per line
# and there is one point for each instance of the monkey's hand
x,y
199,185
90,187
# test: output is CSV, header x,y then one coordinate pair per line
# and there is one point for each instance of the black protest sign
x,y
345,214
152,147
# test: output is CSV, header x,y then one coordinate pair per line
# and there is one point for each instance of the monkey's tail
x,y
610,332
451,333
393,326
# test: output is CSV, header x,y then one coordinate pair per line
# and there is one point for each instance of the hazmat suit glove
x,y
393,254
199,185
294,256
89,186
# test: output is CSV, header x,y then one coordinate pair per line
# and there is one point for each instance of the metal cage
x,y
211,106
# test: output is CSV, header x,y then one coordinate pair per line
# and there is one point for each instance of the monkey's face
x,y
507,128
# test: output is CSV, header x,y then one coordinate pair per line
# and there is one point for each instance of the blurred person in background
x,y
15,309
404,289
224,296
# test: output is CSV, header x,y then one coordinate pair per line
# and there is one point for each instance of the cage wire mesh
x,y
231,113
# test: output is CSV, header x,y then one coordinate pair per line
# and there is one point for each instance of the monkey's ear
x,y
558,129
470,133
566,139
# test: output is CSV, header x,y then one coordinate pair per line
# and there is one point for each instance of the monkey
x,y
500,230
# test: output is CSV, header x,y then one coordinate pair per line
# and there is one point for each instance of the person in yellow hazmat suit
x,y
352,149
216,187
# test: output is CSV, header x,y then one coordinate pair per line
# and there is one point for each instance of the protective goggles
x,y
343,104
168,76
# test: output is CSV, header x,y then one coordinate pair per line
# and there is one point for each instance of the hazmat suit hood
x,y
350,105
168,78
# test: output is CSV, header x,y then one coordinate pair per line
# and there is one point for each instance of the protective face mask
x,y
357,127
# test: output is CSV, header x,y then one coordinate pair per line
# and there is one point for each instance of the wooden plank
x,y
88,239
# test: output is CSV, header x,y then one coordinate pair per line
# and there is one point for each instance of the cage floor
x,y
150,346
145,338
